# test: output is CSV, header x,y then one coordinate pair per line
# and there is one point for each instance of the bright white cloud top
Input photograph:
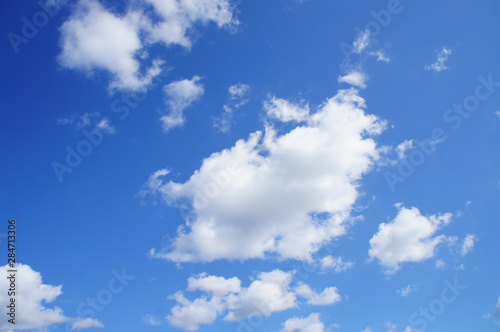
x,y
32,301
94,38
180,95
271,292
304,183
312,323
407,238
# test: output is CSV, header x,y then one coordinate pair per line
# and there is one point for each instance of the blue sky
x,y
282,165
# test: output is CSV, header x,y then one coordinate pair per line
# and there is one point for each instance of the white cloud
x,y
285,111
214,285
190,315
238,96
407,238
32,298
403,147
381,56
368,329
85,323
405,290
88,120
303,182
362,42
441,60
180,95
410,329
468,244
328,296
179,19
312,323
94,38
496,313
335,263
149,319
271,292
355,78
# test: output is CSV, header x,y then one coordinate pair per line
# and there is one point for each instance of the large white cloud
x,y
407,238
32,297
312,323
276,194
94,38
271,292
180,95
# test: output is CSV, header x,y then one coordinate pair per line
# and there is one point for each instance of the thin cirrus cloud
x,y
180,95
409,237
238,95
95,38
303,181
271,292
34,297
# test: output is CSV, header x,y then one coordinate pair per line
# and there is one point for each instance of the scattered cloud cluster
x,y
271,292
95,38
33,298
407,238
303,181
238,95
442,57
88,120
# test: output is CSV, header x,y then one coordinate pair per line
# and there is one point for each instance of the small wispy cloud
x,y
238,96
442,57
87,121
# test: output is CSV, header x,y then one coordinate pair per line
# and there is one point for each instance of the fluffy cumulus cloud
x,y
328,296
312,323
33,299
442,57
180,95
354,78
276,194
94,38
238,96
285,110
271,292
407,238
85,323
